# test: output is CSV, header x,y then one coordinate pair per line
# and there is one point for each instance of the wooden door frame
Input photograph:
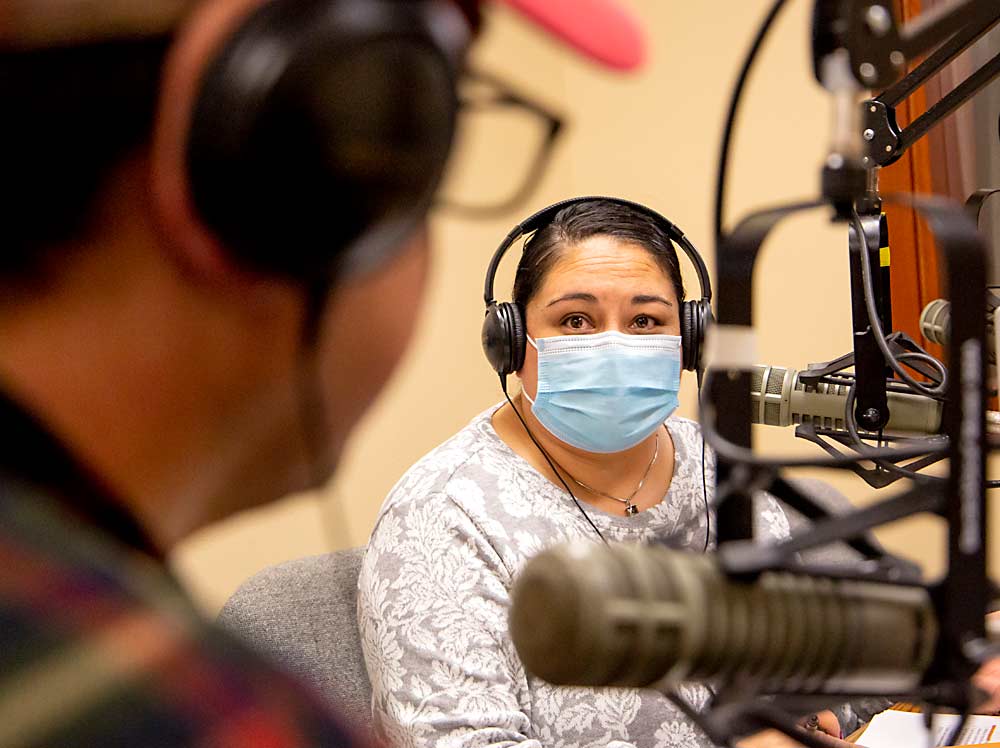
x,y
916,279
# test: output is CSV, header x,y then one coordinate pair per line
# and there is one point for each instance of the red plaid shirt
x,y
99,647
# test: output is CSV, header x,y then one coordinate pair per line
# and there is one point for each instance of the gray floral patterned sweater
x,y
433,597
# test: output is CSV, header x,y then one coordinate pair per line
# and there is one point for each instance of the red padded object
x,y
600,29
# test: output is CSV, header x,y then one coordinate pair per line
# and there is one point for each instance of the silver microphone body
x,y
780,399
631,615
935,324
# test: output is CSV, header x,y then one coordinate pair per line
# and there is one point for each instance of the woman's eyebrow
x,y
646,299
578,296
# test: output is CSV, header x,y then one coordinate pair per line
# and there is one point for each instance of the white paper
x,y
894,729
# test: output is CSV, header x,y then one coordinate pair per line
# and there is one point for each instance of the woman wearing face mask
x,y
588,447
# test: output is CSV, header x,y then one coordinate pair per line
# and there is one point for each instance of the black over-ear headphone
x,y
323,125
504,334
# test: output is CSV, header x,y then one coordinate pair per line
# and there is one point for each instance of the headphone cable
x,y
704,496
503,386
312,407
704,481
551,464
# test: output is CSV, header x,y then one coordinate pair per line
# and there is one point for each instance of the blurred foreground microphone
x,y
780,399
630,615
935,324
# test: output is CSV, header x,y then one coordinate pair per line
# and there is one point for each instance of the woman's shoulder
x,y
460,457
685,429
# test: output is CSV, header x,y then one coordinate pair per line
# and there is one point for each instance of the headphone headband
x,y
545,216
504,330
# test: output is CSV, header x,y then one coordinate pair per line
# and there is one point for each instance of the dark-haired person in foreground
x,y
199,204
600,290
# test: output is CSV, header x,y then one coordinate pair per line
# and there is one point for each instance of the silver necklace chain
x,y
630,508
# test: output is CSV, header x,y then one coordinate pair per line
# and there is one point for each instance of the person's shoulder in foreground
x,y
99,646
172,334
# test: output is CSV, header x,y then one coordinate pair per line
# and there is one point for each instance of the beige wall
x,y
652,138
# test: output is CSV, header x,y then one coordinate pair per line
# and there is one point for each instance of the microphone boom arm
x,y
885,140
961,600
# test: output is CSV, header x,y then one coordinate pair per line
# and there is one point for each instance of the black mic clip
x,y
843,182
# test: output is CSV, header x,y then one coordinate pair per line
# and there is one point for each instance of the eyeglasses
x,y
502,145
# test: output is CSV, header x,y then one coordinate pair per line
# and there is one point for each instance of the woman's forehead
x,y
607,261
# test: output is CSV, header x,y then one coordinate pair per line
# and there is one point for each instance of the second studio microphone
x,y
935,323
631,615
780,398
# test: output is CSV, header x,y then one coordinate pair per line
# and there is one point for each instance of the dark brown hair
x,y
74,114
581,221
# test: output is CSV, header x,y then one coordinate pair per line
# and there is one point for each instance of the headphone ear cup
x,y
518,337
326,152
503,338
693,321
495,338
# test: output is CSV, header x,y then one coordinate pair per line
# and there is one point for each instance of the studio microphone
x,y
780,398
935,324
632,615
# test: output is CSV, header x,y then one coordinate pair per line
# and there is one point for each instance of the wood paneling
x,y
915,275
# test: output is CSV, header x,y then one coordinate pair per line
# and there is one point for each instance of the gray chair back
x,y
303,614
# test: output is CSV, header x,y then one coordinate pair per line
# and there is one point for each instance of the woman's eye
x,y
575,321
643,322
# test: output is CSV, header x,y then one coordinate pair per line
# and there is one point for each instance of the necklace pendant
x,y
631,509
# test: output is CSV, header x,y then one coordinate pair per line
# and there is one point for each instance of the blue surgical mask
x,y
606,392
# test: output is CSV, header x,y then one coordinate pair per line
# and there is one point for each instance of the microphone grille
x,y
775,378
767,391
772,406
935,321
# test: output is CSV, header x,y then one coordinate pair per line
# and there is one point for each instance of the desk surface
x,y
903,707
